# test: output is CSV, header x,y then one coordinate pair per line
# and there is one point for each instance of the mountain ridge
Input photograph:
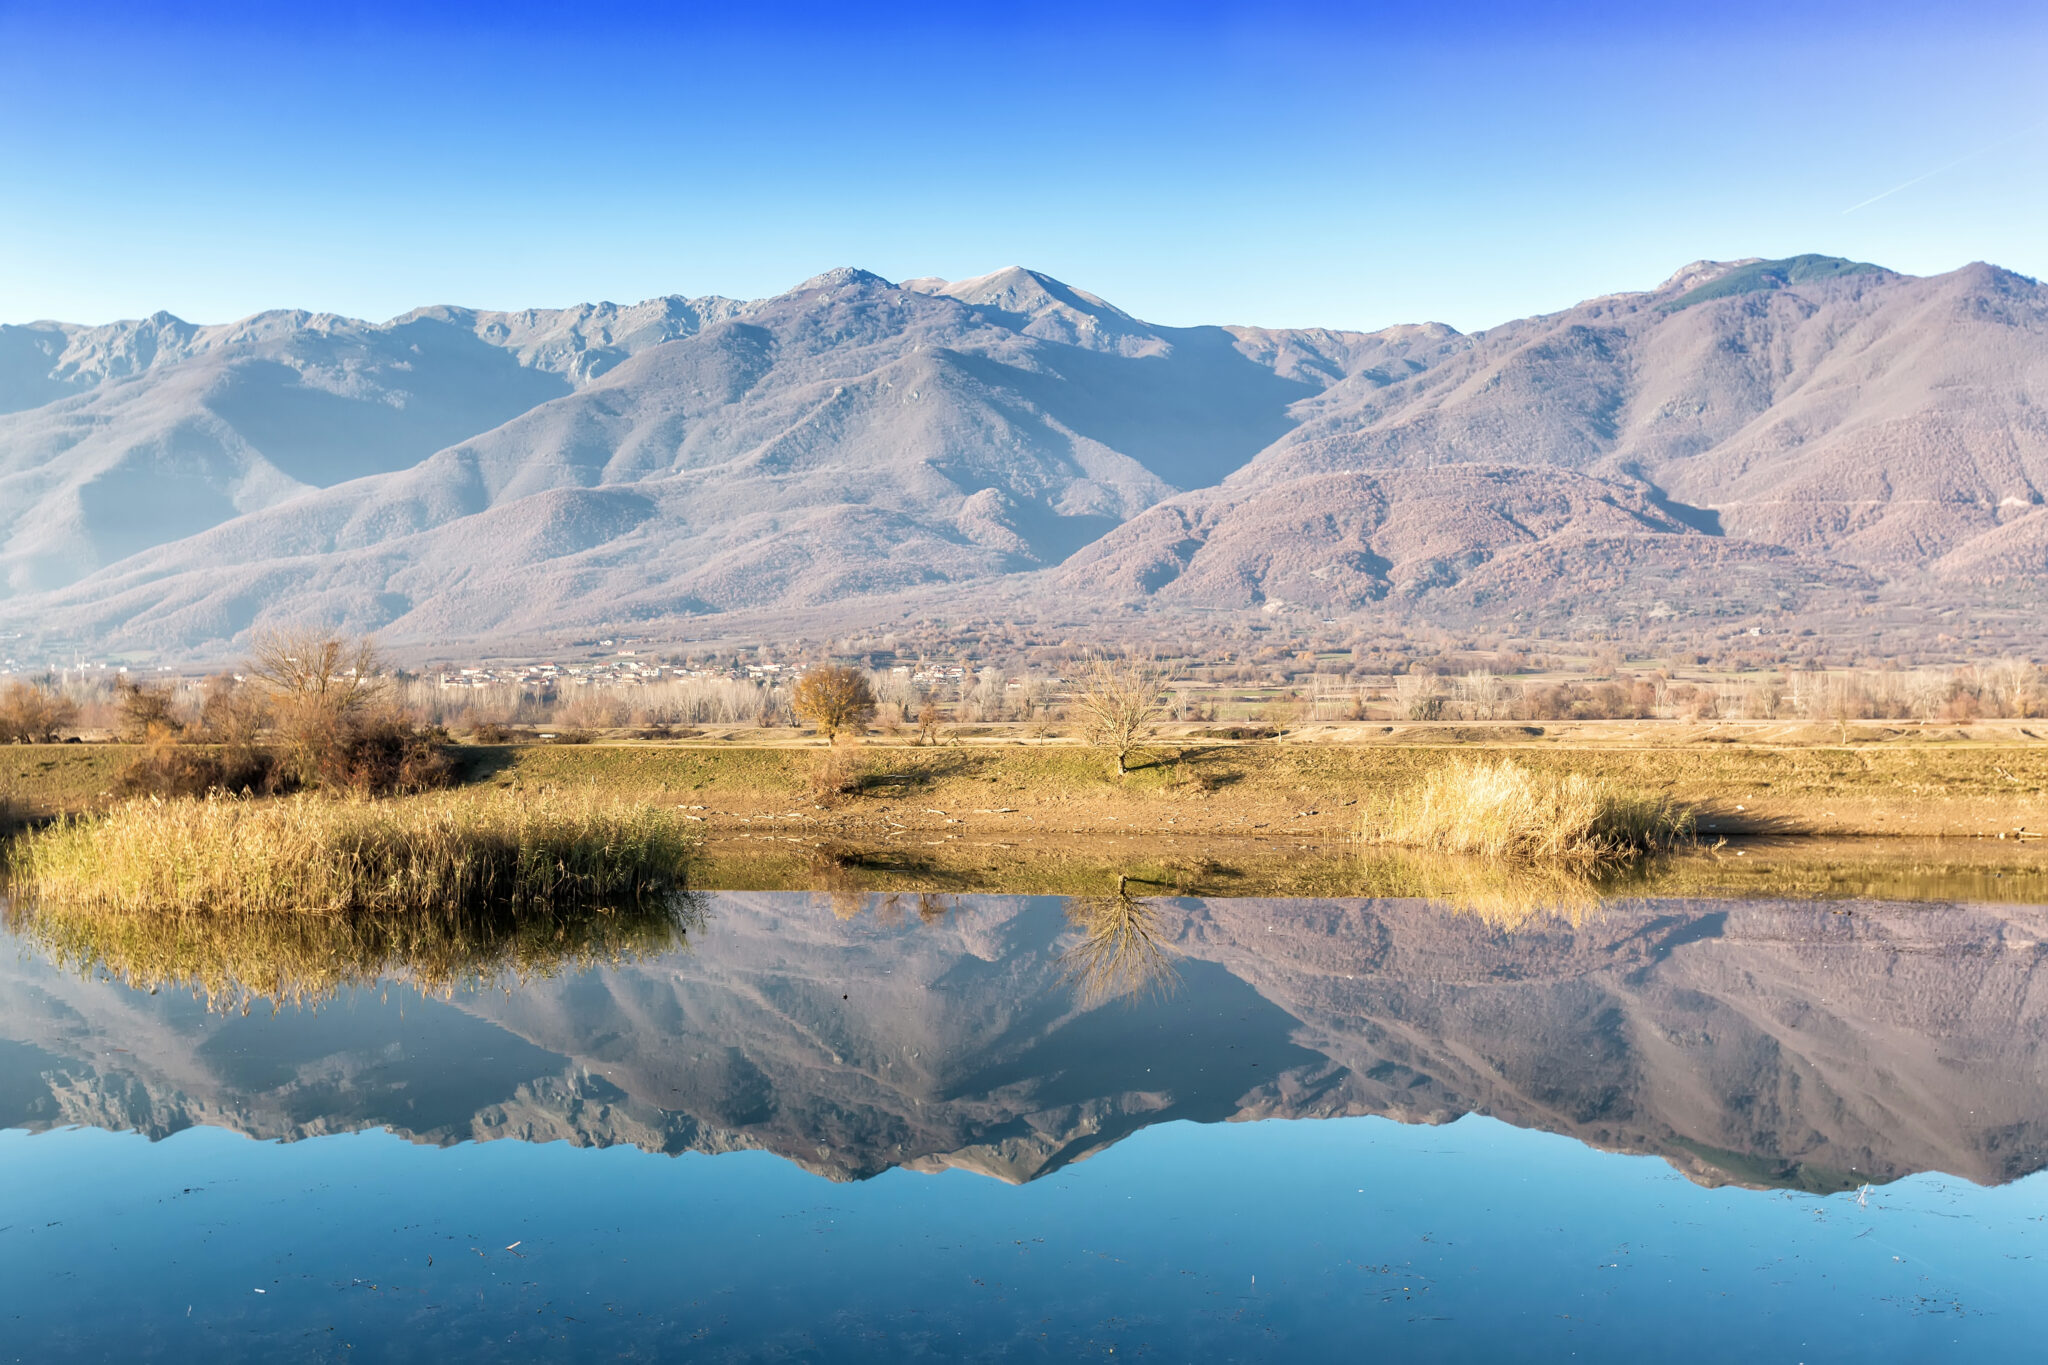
x,y
850,439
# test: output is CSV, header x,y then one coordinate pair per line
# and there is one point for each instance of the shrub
x,y
385,753
837,776
168,767
1501,809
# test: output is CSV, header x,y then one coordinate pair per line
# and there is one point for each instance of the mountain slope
x,y
849,437
1841,425
116,439
1871,417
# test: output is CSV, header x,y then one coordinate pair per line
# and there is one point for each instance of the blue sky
x,y
1286,165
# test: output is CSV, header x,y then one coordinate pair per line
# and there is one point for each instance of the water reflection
x,y
1813,1045
1506,893
233,960
1764,868
1119,955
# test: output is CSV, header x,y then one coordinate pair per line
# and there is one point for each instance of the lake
x,y
861,1126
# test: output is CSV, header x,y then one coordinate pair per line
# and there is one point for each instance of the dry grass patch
x,y
1501,809
334,856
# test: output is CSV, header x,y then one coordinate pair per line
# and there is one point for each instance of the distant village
x,y
629,669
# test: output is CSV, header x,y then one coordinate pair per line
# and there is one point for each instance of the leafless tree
x,y
30,713
232,712
302,667
145,709
319,688
1118,701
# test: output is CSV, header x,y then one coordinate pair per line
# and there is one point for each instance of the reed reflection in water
x,y
234,960
1122,952
1507,893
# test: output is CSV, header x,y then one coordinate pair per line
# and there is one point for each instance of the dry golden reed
x,y
1501,809
311,854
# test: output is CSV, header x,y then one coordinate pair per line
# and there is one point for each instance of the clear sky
x,y
1286,165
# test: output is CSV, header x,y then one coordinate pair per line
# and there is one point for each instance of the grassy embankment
x,y
293,899
1223,818
1895,788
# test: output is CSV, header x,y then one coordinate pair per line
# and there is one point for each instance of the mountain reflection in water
x,y
1812,1045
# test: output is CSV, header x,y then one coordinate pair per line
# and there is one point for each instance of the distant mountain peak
x,y
1693,275
1705,280
1015,289
1051,309
839,277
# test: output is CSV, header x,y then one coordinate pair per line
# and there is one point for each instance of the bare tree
x,y
834,698
1118,700
305,667
146,709
232,712
1419,696
31,713
319,688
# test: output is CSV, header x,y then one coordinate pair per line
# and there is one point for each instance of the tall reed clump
x,y
1501,809
310,854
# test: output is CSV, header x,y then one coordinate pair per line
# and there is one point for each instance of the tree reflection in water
x,y
1119,954
235,960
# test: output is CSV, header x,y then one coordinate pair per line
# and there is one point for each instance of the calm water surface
x,y
865,1127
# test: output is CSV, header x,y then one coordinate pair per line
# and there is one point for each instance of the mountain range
x,y
1748,438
